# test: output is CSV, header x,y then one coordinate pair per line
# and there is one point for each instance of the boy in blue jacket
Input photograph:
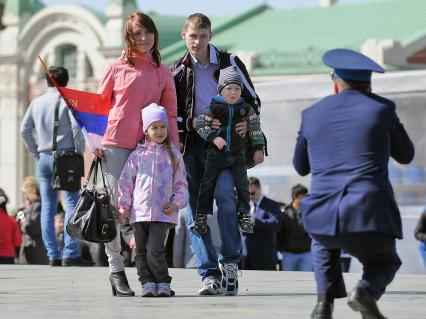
x,y
226,148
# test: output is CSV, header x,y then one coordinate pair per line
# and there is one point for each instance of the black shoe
x,y
119,285
361,299
323,310
55,262
200,221
77,262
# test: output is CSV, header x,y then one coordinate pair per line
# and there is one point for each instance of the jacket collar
x,y
214,56
219,98
150,145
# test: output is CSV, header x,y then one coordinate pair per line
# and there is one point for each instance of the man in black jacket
x,y
293,241
196,75
260,251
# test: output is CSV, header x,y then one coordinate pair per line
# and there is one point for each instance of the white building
x,y
73,36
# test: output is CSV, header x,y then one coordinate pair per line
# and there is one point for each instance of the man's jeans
x,y
297,262
227,218
49,203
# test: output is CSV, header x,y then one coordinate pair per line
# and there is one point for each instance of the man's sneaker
x,y
245,222
163,289
229,283
209,286
200,223
149,289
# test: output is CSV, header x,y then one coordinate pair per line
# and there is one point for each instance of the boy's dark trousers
x,y
150,257
216,162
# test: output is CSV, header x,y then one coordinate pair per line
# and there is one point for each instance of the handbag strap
x,y
93,166
104,180
56,125
97,162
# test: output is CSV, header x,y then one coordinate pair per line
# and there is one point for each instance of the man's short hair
x,y
357,85
60,75
298,190
199,21
254,181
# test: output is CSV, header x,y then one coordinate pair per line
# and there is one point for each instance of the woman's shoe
x,y
119,284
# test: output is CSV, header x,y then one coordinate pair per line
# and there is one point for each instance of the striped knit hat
x,y
227,76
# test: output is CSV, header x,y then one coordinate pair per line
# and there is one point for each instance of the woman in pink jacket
x,y
133,81
152,188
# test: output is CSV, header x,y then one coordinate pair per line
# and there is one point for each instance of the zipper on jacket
x,y
228,128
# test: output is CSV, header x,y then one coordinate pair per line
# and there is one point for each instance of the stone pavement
x,y
45,292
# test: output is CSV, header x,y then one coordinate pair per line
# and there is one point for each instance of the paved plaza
x,y
45,292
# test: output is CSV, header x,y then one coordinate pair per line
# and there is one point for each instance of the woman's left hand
x,y
170,208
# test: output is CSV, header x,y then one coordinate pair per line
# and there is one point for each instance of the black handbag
x,y
68,166
92,218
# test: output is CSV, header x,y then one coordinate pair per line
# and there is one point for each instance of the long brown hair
x,y
173,157
143,20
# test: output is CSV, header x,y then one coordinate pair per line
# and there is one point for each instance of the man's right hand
x,y
219,142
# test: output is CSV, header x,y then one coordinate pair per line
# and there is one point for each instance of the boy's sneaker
x,y
200,223
149,289
229,279
209,286
245,222
163,289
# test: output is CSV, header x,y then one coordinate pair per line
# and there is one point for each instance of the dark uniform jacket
x,y
345,141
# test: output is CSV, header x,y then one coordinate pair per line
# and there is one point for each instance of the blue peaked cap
x,y
351,65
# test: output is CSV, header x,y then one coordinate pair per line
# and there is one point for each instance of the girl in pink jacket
x,y
133,81
152,188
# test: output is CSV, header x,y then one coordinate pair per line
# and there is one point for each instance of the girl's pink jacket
x,y
148,182
131,89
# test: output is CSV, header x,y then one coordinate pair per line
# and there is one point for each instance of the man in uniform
x,y
345,141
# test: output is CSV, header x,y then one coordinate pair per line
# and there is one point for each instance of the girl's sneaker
x,y
149,289
163,289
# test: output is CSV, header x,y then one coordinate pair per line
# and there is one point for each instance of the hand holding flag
x,y
89,109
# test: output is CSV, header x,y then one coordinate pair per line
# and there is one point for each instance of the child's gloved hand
x,y
122,213
258,157
170,208
219,142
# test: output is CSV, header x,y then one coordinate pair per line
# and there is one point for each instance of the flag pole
x,y
52,79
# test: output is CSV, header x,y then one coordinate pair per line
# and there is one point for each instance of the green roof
x,y
168,27
21,7
292,41
220,25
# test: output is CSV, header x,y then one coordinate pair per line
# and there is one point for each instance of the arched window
x,y
66,56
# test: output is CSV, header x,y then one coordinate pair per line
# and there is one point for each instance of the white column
x,y
10,142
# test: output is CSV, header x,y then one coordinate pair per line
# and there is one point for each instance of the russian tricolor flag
x,y
89,109
91,113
